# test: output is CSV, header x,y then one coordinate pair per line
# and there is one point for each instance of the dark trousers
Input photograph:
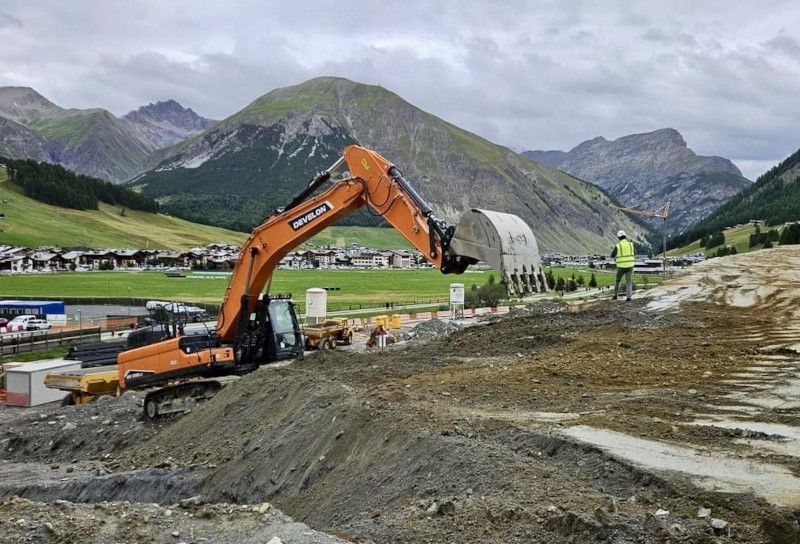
x,y
628,273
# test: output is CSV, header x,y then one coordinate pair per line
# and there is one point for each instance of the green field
x,y
371,237
366,288
356,288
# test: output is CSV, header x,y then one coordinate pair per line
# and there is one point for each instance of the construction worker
x,y
623,254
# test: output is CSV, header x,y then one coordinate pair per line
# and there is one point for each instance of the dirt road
x,y
672,418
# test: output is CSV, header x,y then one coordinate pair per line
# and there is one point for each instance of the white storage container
x,y
456,293
316,305
25,383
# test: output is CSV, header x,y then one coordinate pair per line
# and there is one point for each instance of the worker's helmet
x,y
621,234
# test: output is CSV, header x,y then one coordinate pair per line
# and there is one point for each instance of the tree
x,y
790,234
561,285
571,285
492,293
581,281
715,240
489,294
767,245
551,280
592,281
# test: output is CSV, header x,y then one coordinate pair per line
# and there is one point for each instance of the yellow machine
x,y
328,334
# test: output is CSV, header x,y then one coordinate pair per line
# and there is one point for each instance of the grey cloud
x,y
527,74
786,45
8,20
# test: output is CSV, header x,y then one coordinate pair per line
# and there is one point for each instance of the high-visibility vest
x,y
624,256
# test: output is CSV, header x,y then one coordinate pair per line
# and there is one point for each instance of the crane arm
x,y
661,213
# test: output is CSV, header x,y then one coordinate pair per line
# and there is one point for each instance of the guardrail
x,y
30,341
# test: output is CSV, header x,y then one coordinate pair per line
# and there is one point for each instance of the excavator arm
x,y
253,328
503,241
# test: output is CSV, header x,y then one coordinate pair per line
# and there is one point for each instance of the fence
x,y
28,342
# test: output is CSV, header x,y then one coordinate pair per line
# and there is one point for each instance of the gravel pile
x,y
433,328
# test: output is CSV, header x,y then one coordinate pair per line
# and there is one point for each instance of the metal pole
x,y
665,248
80,326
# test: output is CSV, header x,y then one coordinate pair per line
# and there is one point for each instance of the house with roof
x,y
97,259
47,261
400,259
129,258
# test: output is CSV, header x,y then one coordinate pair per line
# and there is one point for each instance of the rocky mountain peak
x,y
171,112
167,122
23,104
647,170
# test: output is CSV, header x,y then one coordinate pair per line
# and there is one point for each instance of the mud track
x,y
672,418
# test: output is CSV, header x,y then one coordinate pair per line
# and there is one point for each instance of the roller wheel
x,y
348,339
332,343
323,344
151,408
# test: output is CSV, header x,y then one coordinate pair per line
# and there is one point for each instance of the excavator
x,y
254,327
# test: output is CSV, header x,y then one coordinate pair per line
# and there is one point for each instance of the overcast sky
x,y
525,74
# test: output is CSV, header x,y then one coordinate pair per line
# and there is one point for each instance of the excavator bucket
x,y
504,242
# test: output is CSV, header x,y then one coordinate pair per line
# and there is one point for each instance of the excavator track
x,y
182,397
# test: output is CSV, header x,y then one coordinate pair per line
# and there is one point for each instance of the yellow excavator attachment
x,y
504,242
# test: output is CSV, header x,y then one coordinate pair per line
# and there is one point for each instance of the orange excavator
x,y
254,328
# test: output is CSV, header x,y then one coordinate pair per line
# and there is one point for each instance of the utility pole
x,y
661,213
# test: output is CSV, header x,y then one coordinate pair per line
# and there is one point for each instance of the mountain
x,y
167,123
773,199
92,142
647,170
236,173
18,141
551,158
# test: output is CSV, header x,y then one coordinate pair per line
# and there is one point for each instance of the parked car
x,y
3,321
20,322
38,325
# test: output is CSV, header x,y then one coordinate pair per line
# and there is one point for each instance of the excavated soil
x,y
672,418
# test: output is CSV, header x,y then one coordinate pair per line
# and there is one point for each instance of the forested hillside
x,y
53,184
773,199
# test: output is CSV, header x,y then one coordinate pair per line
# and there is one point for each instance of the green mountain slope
x,y
29,223
256,160
774,199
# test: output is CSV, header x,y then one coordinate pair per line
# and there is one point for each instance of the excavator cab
x,y
286,336
272,333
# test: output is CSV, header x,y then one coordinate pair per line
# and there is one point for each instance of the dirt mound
x,y
22,520
453,439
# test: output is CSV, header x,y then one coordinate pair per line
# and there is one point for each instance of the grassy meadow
x,y
356,288
29,223
365,288
734,236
